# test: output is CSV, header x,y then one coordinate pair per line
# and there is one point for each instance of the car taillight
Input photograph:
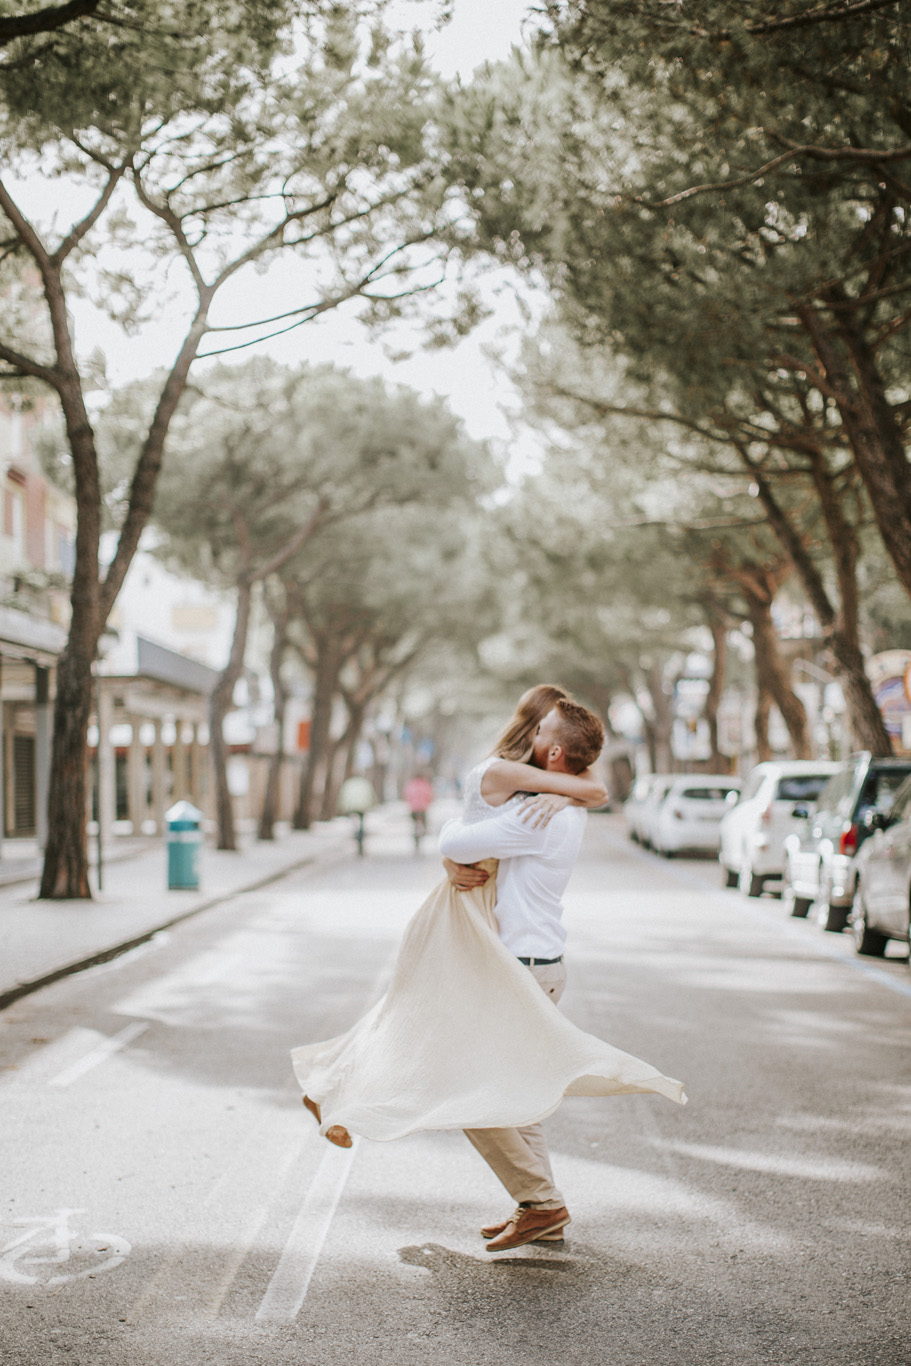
x,y
848,842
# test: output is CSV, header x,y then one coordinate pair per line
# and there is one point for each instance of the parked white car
x,y
754,831
690,814
632,807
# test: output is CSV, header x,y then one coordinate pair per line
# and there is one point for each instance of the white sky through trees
x,y
469,376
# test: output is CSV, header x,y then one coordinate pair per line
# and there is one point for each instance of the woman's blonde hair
x,y
516,740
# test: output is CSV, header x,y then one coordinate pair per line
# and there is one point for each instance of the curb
x,y
16,993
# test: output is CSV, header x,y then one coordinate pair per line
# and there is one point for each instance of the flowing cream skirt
x,y
464,1038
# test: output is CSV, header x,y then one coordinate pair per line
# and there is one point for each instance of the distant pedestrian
x,y
419,795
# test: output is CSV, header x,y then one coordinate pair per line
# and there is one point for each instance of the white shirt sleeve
x,y
503,836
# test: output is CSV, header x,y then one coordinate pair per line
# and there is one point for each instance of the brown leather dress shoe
x,y
529,1226
493,1230
339,1135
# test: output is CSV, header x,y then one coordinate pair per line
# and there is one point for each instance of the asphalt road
x,y
166,1199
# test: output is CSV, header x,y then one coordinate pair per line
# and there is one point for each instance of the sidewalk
x,y
41,941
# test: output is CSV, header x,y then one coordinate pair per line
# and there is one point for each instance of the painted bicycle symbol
x,y
49,1241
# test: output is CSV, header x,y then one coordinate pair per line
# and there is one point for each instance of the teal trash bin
x,y
184,838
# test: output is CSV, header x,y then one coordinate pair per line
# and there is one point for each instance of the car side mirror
x,y
732,798
800,812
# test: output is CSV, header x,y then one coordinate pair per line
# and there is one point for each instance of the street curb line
x,y
8,998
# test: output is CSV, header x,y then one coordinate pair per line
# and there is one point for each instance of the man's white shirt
x,y
532,877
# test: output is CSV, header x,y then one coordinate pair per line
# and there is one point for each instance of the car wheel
x,y
866,939
750,883
730,877
793,904
831,918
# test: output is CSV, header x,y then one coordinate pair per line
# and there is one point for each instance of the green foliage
x,y
259,450
111,70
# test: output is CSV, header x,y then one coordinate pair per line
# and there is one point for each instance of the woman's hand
x,y
465,876
539,809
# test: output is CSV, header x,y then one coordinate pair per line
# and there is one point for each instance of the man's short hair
x,y
580,732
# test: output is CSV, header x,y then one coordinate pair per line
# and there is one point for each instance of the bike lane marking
x,y
53,1233
102,1050
287,1290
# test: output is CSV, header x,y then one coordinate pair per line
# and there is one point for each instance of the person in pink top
x,y
419,796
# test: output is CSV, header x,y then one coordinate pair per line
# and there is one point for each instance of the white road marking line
x,y
287,1290
99,1053
229,1193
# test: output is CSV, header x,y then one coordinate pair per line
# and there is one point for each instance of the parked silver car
x,y
881,909
819,861
753,831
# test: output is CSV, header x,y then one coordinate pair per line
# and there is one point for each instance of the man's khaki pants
x,y
519,1157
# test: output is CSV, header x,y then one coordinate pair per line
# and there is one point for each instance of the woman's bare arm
x,y
504,778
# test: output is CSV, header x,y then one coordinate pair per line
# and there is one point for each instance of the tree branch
x,y
25,366
44,20
859,155
79,230
172,220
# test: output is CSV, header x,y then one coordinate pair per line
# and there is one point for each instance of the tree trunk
x,y
663,719
219,705
621,770
325,684
868,728
773,675
761,720
332,782
870,425
65,871
269,813
840,627
843,635
716,688
343,758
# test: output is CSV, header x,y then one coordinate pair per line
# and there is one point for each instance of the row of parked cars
x,y
836,836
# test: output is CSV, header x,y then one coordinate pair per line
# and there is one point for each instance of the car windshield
x,y
879,789
901,806
836,795
804,787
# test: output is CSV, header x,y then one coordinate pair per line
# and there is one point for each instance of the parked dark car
x,y
882,878
819,858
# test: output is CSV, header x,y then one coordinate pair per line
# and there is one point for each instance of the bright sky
x,y
470,376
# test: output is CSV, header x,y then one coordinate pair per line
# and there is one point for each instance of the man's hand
x,y
540,808
465,876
